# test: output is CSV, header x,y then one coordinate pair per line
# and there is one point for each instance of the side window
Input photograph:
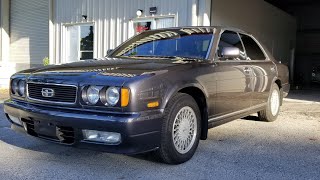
x,y
253,50
230,39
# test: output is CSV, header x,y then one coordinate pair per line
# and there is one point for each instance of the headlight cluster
x,y
18,87
107,96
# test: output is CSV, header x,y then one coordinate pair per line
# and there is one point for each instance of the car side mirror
x,y
109,51
230,53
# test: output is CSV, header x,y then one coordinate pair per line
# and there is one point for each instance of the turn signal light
x,y
153,104
125,96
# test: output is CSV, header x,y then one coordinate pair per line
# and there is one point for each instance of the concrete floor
x,y
288,148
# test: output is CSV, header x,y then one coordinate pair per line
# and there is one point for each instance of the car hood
x,y
115,71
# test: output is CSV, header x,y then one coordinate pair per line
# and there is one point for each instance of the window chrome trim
x,y
52,102
210,46
267,57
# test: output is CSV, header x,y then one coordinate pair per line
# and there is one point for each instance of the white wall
x,y
4,30
112,19
6,67
275,28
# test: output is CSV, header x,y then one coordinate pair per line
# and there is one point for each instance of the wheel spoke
x,y
184,129
275,102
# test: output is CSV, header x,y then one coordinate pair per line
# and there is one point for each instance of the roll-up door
x,y
29,31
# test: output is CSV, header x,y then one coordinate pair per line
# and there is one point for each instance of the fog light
x,y
15,120
103,137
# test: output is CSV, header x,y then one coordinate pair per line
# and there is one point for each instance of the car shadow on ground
x,y
235,148
251,118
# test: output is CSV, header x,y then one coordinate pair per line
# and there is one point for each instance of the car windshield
x,y
189,43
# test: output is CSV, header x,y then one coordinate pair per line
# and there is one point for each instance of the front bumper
x,y
140,132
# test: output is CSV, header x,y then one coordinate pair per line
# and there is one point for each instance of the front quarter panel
x,y
162,85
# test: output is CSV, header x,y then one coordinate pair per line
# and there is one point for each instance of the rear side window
x,y
253,50
230,39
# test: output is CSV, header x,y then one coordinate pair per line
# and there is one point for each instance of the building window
x,y
80,42
86,42
141,25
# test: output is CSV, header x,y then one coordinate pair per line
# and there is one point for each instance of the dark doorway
x,y
307,55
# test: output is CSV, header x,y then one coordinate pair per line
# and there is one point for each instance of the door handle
x,y
273,68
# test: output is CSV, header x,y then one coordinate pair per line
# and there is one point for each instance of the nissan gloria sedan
x,y
159,91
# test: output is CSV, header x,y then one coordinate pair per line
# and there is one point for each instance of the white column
x,y
5,38
7,68
204,13
51,33
194,12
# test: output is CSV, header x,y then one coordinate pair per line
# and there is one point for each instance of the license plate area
x,y
46,129
49,131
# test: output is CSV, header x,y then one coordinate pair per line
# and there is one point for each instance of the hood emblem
x,y
47,92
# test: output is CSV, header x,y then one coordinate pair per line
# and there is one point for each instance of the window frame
x,y
65,40
216,58
259,45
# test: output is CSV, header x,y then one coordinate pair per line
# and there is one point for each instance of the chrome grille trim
x,y
52,102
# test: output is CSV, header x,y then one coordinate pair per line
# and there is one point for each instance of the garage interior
x,y
307,53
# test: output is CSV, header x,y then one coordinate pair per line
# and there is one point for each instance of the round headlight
x,y
93,95
112,96
21,87
14,86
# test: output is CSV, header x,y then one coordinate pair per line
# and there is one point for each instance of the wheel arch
x,y
278,82
200,96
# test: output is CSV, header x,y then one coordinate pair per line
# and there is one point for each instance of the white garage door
x,y
29,31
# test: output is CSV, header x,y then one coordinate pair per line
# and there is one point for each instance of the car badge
x,y
47,92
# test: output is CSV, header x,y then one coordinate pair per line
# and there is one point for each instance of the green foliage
x,y
46,61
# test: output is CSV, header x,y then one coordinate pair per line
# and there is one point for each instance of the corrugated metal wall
x,y
111,19
29,31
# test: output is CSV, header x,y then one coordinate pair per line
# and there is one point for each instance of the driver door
x,y
234,77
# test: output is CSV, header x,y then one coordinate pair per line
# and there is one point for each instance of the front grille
x,y
66,94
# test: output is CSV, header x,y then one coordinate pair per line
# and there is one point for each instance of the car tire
x,y
180,134
271,112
